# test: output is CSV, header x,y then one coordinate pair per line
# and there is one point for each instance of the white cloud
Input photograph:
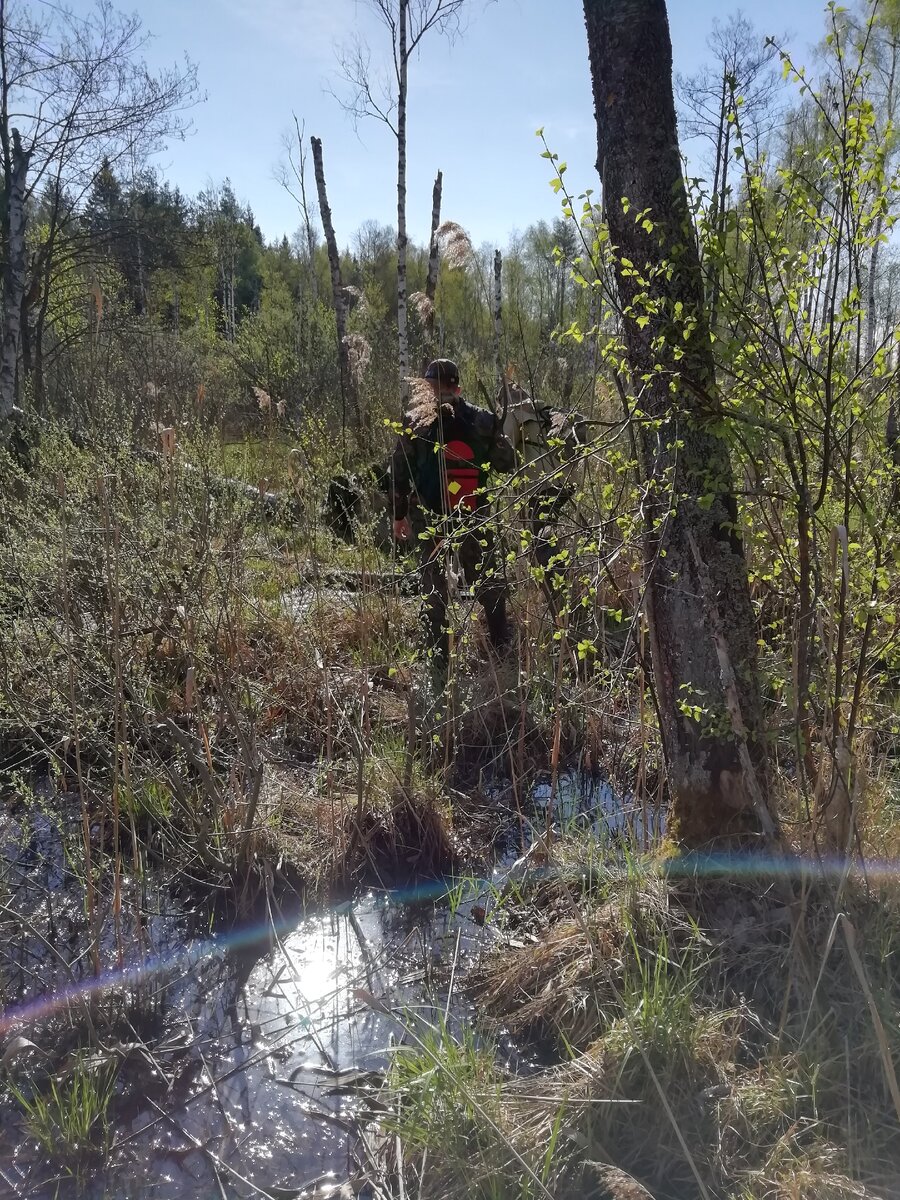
x,y
308,28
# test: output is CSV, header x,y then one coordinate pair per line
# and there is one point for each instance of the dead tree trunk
x,y
402,332
15,269
502,382
348,383
498,316
685,461
431,279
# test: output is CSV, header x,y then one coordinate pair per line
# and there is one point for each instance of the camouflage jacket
x,y
446,462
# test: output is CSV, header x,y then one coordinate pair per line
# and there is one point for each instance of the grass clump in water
x,y
68,1115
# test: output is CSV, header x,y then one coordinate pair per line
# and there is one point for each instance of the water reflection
x,y
266,1036
579,801
285,1046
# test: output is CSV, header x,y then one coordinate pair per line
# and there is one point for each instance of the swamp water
x,y
248,1050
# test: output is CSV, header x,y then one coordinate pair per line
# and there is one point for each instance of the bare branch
x,y
370,93
291,174
425,15
81,94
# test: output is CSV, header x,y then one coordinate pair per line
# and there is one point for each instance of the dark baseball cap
x,y
443,370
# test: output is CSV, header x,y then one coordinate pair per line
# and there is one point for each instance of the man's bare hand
x,y
402,529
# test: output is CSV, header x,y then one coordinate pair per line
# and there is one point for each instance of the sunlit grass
x,y
69,1115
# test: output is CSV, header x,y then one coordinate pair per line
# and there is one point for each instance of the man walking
x,y
444,456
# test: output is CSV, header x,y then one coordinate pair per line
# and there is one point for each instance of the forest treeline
x,y
129,287
180,306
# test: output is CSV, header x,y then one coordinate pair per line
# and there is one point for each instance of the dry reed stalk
x,y
887,1061
521,684
641,780
557,724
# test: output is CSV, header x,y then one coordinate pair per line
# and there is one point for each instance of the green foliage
x,y
69,1116
448,1084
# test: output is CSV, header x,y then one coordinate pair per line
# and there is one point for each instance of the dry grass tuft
x,y
330,840
565,987
455,244
562,986
600,1181
408,837
678,1081
368,628
768,1143
359,353
423,305
423,406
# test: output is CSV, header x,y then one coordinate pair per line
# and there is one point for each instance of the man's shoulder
x,y
485,422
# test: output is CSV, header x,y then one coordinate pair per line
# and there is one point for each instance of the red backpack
x,y
462,475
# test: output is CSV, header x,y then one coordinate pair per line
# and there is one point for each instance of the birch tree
x,y
743,74
384,96
74,93
291,174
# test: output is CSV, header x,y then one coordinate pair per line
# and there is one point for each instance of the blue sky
x,y
474,104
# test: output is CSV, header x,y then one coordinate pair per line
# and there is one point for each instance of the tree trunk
x,y
141,304
41,285
27,362
431,279
720,137
721,214
348,384
498,318
38,372
231,296
871,293
402,335
690,493
14,276
872,276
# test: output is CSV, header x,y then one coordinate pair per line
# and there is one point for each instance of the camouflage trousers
x,y
475,550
